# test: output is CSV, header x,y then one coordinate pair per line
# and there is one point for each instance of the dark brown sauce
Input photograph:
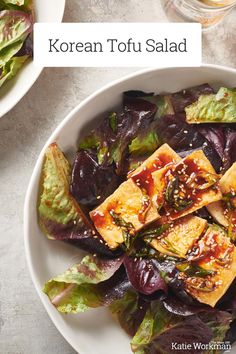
x,y
192,195
144,180
216,250
146,204
103,219
98,219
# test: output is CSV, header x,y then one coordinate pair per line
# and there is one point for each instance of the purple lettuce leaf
x,y
170,274
229,156
137,94
112,138
114,288
215,135
130,311
219,322
228,301
80,235
92,183
27,48
183,98
223,139
144,275
184,138
180,308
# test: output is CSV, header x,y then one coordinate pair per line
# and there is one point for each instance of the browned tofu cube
x,y
186,186
216,254
180,237
220,210
128,205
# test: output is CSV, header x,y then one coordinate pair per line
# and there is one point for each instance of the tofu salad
x,y
151,197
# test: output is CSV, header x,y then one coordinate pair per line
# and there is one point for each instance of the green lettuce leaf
x,y
23,5
15,2
59,214
7,53
15,26
78,288
144,144
161,328
213,108
55,202
163,103
10,69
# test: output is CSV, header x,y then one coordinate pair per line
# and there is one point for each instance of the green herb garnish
x,y
113,122
119,221
172,197
171,187
193,270
154,233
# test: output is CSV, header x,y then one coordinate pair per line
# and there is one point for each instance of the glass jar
x,y
206,12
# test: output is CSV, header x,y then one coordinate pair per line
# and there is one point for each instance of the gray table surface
x,y
25,328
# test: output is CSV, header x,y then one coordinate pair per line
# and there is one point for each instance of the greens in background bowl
x,y
17,70
16,26
146,306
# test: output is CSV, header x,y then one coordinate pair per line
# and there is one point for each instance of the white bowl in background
x,y
96,328
12,92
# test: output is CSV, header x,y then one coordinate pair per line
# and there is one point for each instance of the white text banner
x,y
117,44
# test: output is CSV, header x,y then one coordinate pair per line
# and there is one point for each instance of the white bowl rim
x,y
70,116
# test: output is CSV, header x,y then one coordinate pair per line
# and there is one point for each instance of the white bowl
x,y
12,92
96,328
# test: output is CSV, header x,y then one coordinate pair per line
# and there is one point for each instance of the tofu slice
x,y
142,176
180,237
220,257
228,181
219,210
160,158
128,202
192,192
130,198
